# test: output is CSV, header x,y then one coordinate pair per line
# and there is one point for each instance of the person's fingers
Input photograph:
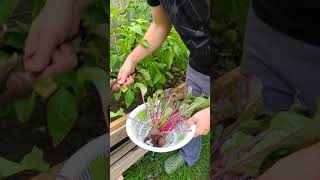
x,y
32,43
64,59
190,122
41,57
130,80
123,75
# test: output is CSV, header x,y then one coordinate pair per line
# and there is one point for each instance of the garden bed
x,y
17,139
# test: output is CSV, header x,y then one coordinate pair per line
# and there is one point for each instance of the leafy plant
x,y
32,161
163,114
128,25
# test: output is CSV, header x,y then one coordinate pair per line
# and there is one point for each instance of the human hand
x,y
126,73
57,22
202,121
303,164
64,59
114,86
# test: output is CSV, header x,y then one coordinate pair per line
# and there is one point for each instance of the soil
x,y
17,139
156,138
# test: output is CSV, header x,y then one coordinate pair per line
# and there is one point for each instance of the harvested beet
x,y
156,138
20,84
115,88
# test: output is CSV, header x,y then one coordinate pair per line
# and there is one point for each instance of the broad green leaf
x,y
142,88
34,160
165,116
144,43
198,104
142,115
120,112
137,29
238,139
129,98
8,168
99,169
145,74
7,7
99,78
44,86
24,107
180,137
62,112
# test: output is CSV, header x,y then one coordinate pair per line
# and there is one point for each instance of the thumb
x,y
190,122
41,58
123,75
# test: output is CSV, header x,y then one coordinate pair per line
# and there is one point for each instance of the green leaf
x,y
24,107
165,116
117,96
8,168
62,112
144,43
142,88
120,112
7,7
137,29
129,98
15,39
145,74
142,115
99,169
44,86
99,78
34,160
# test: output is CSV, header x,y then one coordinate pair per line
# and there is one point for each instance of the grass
x,y
150,167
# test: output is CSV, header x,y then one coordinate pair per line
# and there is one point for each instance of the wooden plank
x,y
49,176
114,125
118,135
125,162
121,151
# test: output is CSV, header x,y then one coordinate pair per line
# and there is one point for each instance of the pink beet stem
x,y
167,132
167,104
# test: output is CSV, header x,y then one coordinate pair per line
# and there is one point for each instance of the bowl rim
x,y
179,145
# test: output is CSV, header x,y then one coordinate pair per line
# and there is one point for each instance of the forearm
x,y
303,164
155,35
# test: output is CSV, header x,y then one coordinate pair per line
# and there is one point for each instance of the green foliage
x,y
261,139
129,23
24,107
99,169
32,161
228,27
6,10
62,112
120,112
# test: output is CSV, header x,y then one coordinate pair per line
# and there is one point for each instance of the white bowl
x,y
138,131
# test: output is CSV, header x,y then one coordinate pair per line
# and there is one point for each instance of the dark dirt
x,y
157,138
17,139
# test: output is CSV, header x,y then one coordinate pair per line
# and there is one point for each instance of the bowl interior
x,y
137,131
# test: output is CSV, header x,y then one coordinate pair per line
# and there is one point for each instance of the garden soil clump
x,y
156,138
